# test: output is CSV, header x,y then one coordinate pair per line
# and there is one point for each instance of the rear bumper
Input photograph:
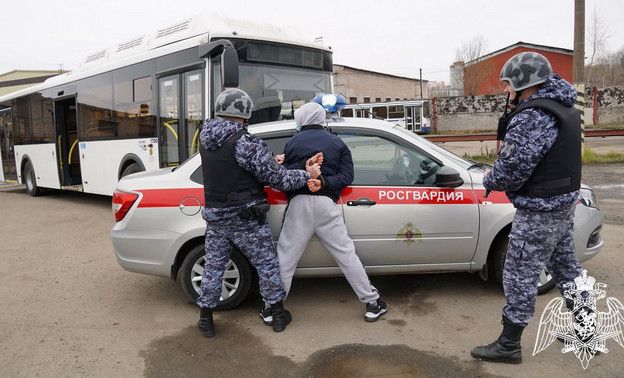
x,y
145,251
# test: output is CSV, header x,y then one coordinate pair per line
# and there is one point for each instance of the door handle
x,y
361,202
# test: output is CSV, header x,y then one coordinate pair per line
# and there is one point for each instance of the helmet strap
x,y
506,105
501,130
516,99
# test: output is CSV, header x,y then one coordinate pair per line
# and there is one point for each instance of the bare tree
x,y
613,69
597,43
474,73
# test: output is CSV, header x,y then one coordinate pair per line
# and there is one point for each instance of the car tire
x,y
236,282
499,250
30,180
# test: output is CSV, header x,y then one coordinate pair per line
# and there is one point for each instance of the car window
x,y
277,144
379,160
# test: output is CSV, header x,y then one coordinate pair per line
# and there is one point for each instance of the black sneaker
x,y
267,315
375,311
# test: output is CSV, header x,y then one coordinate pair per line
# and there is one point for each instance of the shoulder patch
x,y
507,148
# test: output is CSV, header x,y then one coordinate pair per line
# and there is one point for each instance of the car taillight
x,y
122,202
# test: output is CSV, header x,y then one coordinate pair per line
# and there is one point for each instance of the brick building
x,y
482,75
357,86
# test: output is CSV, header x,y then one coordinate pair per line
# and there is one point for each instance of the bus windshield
x,y
277,91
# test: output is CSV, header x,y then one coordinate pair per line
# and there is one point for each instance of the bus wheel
x,y
132,168
236,280
31,180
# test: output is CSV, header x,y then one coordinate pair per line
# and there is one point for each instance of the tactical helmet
x,y
526,70
234,102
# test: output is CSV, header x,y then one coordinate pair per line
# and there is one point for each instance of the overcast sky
x,y
391,36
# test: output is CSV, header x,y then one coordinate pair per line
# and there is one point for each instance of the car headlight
x,y
587,198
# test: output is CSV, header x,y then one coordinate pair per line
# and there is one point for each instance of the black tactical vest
x,y
559,171
225,182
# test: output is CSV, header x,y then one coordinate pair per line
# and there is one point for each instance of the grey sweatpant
x,y
310,214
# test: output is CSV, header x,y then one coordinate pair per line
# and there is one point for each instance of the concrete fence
x,y
463,113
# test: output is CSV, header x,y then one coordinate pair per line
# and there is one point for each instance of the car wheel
x,y
31,180
546,282
236,280
499,249
132,168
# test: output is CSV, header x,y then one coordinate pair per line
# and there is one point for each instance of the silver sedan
x,y
413,207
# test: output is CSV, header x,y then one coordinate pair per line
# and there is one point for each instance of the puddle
x,y
236,352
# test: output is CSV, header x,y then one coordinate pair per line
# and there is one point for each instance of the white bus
x,y
140,105
412,115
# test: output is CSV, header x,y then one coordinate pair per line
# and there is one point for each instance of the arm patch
x,y
507,148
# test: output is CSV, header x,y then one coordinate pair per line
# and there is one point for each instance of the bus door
x,y
181,115
6,139
412,118
67,148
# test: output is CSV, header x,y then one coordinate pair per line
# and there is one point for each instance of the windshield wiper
x,y
475,165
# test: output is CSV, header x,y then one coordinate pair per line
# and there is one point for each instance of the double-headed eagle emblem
x,y
408,234
583,330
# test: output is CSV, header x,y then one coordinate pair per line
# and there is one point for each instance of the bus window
x,y
95,108
42,122
21,121
169,125
194,110
396,111
380,112
346,112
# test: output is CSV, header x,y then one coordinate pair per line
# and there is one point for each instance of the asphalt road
x,y
69,310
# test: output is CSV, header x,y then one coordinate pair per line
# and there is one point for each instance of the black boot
x,y
505,349
281,317
205,324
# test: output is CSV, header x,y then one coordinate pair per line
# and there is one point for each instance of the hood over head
x,y
310,114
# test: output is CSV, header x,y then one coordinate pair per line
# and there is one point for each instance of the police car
x,y
412,207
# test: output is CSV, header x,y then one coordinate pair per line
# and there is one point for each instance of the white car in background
x,y
413,207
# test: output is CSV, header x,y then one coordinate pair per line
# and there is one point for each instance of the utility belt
x,y
257,212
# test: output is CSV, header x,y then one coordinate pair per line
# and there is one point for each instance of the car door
x,y
394,212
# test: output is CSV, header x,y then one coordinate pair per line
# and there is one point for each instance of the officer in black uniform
x,y
236,166
539,168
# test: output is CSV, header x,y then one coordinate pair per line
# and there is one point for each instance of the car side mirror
x,y
448,177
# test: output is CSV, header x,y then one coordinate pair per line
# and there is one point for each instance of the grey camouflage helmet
x,y
526,70
233,102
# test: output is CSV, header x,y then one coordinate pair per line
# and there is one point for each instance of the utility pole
x,y
421,94
578,65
